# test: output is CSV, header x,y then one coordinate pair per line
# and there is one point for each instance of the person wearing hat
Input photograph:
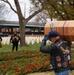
x,y
59,51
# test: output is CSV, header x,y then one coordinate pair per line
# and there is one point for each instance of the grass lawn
x,y
26,60
8,48
20,62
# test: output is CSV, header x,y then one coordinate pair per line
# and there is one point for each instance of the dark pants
x,y
15,45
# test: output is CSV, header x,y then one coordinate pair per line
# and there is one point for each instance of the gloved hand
x,y
45,38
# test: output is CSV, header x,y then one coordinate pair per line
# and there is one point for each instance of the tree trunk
x,y
22,32
21,23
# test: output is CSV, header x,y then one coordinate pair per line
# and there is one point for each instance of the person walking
x,y
60,53
15,38
0,42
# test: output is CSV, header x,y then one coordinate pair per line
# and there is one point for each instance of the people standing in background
x,y
0,42
15,38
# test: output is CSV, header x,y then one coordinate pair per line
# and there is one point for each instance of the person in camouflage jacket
x,y
15,38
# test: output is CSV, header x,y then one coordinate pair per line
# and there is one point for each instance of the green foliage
x,y
35,3
59,9
25,60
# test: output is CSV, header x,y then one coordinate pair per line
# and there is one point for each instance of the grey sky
x,y
25,4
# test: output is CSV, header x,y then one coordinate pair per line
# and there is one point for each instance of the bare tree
x,y
42,17
22,20
3,11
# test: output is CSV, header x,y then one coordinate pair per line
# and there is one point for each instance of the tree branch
x,y
36,12
6,1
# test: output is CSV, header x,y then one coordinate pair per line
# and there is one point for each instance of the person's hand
x,y
45,38
65,51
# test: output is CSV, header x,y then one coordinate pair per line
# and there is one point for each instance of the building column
x,y
11,29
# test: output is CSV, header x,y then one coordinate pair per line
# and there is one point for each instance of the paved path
x,y
42,73
48,73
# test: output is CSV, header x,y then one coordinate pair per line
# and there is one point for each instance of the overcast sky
x,y
25,5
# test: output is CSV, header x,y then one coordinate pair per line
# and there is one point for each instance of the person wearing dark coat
x,y
60,53
15,38
0,42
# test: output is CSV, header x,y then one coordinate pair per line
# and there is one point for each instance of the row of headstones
x,y
28,39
